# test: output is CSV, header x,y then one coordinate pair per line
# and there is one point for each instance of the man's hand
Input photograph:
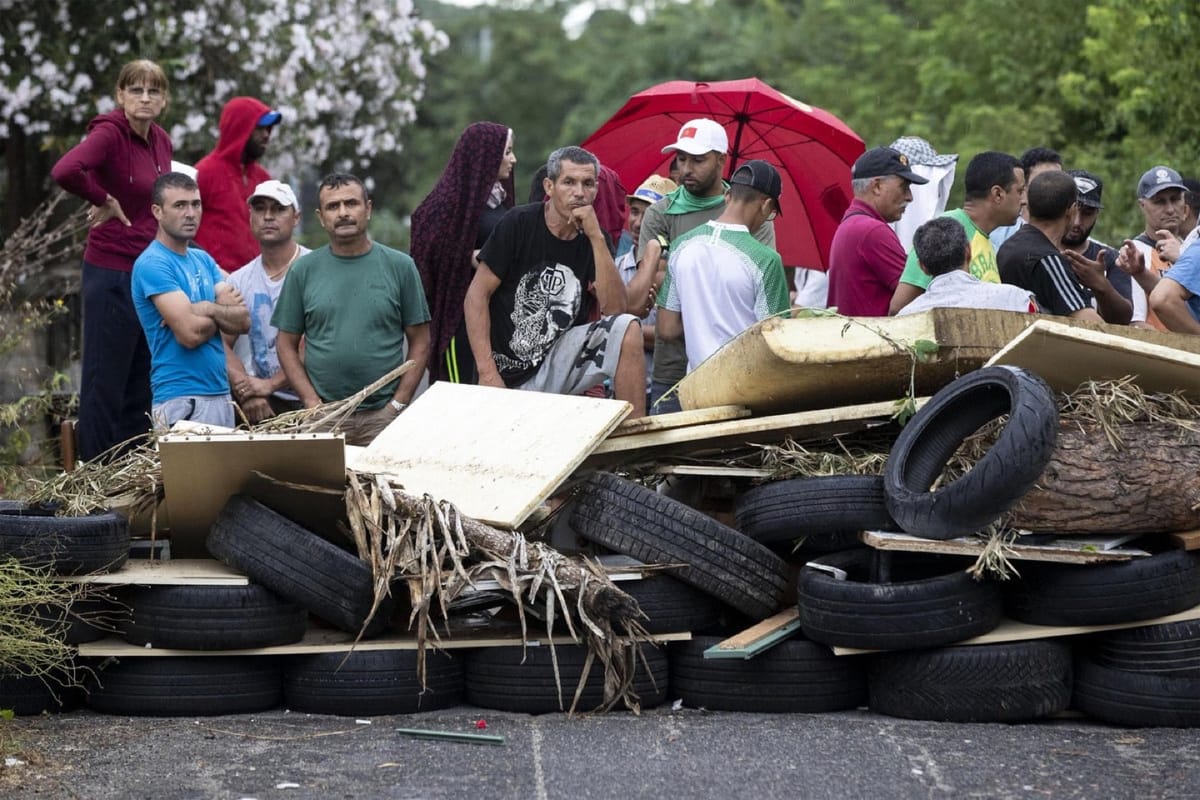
x,y
228,295
1130,260
1168,246
247,387
256,409
491,377
1091,274
586,221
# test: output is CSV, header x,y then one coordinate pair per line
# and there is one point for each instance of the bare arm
x,y
196,323
1131,261
1112,306
610,289
639,294
418,351
1169,302
1088,314
243,384
287,345
478,314
905,293
669,325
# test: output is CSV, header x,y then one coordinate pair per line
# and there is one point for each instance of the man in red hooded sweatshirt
x,y
227,176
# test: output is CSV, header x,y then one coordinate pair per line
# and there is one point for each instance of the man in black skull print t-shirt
x,y
541,275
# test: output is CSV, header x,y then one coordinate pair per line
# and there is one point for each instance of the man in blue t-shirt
x,y
184,306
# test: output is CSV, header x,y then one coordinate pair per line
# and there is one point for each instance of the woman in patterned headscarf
x,y
449,227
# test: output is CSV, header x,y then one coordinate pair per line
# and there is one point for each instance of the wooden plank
x,y
1188,540
495,453
171,572
1066,550
1009,630
782,365
200,472
329,641
713,471
1067,356
680,419
740,433
759,637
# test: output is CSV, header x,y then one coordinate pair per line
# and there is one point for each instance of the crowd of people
x,y
1028,225
199,304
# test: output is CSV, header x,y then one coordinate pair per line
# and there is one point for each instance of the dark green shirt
x,y
352,313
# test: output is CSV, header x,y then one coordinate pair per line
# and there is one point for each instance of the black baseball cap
x,y
1088,188
881,162
760,175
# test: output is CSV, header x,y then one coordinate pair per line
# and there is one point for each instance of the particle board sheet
x,y
324,640
1066,549
1010,630
168,572
680,419
200,472
781,365
740,433
1067,356
495,453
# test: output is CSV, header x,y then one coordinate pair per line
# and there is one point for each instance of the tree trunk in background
x,y
28,174
1150,485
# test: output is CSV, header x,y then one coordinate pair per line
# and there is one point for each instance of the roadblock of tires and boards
x,y
1024,545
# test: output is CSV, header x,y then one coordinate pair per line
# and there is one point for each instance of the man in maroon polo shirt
x,y
865,258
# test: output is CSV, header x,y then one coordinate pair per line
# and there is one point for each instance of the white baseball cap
x,y
278,191
700,136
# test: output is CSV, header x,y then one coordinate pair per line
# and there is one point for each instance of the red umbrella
x,y
812,149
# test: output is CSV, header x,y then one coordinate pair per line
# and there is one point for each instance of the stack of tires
x,y
917,606
1147,676
294,573
35,537
720,580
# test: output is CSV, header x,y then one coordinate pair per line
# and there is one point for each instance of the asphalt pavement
x,y
663,753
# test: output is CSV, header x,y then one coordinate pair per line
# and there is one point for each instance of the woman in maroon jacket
x,y
114,169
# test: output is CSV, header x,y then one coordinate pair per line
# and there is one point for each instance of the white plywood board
x,y
1065,549
740,433
168,572
680,419
495,453
1066,356
1010,630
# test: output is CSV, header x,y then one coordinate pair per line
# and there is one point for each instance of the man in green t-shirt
x,y
720,279
357,304
995,189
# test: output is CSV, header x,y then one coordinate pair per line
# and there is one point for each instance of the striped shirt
x,y
1029,260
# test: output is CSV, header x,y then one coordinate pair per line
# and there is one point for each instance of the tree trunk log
x,y
1150,485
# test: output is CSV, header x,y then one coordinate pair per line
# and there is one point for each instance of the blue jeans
x,y
660,406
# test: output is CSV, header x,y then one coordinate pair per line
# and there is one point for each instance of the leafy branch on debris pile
x,y
440,553
129,476
790,459
34,608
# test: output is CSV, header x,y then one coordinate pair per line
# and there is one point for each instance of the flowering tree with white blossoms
x,y
345,74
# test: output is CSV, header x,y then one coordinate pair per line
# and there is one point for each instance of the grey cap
x,y
1158,178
